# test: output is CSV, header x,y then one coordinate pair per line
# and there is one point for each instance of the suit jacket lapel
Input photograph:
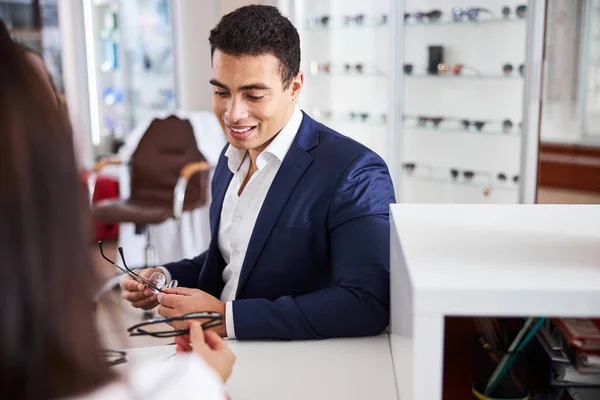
x,y
223,178
294,164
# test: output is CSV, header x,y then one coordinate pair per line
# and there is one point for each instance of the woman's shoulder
x,y
181,375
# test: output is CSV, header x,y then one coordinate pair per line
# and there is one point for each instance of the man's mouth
x,y
240,132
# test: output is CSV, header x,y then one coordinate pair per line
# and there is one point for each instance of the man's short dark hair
x,y
256,30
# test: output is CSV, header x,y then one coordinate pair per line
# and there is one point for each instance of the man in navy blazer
x,y
300,213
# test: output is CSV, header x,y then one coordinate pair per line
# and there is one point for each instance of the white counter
x,y
348,369
483,260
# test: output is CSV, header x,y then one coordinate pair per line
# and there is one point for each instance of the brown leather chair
x,y
169,175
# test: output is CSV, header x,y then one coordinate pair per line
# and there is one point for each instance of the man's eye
x,y
217,93
255,98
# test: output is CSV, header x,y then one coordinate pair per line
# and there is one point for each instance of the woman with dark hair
x,y
49,345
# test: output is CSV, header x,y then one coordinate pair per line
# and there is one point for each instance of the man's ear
x,y
296,85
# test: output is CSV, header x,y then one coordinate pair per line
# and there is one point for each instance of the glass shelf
x,y
490,132
449,181
353,75
344,27
465,22
475,77
376,122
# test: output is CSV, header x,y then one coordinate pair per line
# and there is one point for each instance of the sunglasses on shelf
x,y
412,167
477,124
319,20
422,121
317,67
503,178
520,11
432,16
357,19
507,125
508,69
355,115
156,327
349,67
322,113
455,173
472,14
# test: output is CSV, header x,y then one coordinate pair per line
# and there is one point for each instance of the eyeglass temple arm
x,y
145,281
108,259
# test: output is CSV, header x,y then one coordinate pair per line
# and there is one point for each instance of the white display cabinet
x,y
464,133
129,51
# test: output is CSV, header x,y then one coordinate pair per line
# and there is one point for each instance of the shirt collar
x,y
278,147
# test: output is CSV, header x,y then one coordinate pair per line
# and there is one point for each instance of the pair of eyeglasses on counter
x,y
156,328
157,280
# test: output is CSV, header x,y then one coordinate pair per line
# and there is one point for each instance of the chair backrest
x,y
166,147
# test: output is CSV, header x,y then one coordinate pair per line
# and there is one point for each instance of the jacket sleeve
x,y
357,301
187,271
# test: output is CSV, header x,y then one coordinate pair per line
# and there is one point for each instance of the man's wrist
x,y
222,328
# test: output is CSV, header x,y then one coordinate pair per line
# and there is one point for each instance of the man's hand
x,y
136,293
178,301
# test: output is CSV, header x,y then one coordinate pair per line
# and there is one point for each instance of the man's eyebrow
x,y
253,86
215,82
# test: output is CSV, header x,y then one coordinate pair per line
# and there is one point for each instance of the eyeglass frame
x,y
128,271
215,319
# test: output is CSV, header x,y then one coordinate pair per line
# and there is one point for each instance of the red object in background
x,y
106,188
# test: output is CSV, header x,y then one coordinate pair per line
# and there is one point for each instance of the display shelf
x,y
449,181
335,27
483,21
376,121
491,132
350,75
501,77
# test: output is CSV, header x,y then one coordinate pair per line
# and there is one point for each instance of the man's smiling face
x,y
249,99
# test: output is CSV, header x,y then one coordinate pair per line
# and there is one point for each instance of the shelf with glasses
x,y
449,181
490,132
350,75
465,22
473,77
355,118
321,28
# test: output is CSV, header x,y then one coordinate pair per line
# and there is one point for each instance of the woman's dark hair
x,y
256,30
49,345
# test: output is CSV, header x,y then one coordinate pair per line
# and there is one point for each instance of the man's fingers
x,y
183,291
146,303
128,283
135,296
170,300
167,312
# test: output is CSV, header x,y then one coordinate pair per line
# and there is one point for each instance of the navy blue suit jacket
x,y
317,265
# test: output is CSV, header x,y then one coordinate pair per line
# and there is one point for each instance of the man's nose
x,y
237,110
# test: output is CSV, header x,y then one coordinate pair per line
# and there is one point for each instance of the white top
x,y
239,213
182,377
500,259
346,368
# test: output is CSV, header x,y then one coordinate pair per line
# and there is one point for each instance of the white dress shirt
x,y
239,213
